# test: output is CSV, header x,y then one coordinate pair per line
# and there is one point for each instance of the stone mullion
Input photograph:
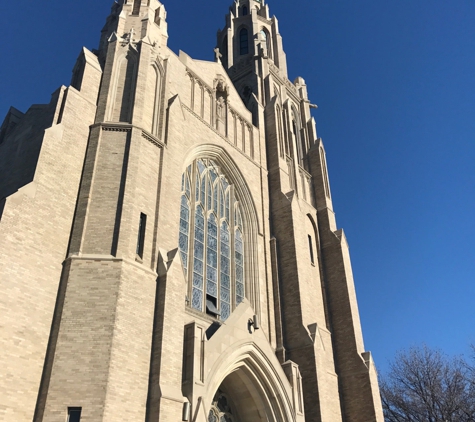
x,y
205,242
218,246
205,260
191,243
232,247
208,212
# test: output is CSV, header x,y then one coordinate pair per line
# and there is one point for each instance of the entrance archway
x,y
249,394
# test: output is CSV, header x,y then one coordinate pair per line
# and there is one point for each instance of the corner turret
x,y
134,21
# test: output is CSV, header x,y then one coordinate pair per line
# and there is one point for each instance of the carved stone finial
x,y
131,35
218,55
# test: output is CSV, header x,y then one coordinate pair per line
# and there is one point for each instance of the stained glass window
x,y
210,239
239,253
212,258
197,190
227,206
203,190
221,203
215,199
198,254
187,186
184,229
225,272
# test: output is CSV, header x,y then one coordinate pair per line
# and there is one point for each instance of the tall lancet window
x,y
211,240
243,42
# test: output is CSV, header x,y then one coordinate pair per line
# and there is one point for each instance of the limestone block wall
x,y
44,158
102,352
101,346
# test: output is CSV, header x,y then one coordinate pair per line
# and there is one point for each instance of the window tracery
x,y
211,240
221,410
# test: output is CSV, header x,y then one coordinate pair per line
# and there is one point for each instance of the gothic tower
x,y
176,217
321,327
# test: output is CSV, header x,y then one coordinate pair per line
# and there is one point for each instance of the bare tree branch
x,y
424,385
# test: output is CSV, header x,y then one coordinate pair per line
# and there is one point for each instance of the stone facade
x,y
168,247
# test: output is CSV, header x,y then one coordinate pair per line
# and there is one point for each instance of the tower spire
x,y
249,44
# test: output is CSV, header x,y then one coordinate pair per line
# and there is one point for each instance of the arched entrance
x,y
243,379
244,396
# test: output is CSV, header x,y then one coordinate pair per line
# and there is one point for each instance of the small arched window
x,y
244,10
243,42
211,240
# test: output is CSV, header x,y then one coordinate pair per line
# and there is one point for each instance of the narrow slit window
x,y
141,235
325,174
74,414
243,42
3,134
310,246
78,75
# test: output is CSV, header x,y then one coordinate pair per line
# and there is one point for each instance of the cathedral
x,y
168,246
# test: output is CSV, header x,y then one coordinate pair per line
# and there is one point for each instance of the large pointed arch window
x,y
211,240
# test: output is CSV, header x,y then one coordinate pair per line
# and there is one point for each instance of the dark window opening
x,y
243,42
2,207
74,414
286,134
296,137
302,141
310,245
136,9
325,175
244,10
141,235
78,75
211,306
3,134
224,51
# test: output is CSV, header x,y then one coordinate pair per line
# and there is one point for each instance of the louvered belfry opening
x,y
136,9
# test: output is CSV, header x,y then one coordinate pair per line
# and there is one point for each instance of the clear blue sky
x,y
395,85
